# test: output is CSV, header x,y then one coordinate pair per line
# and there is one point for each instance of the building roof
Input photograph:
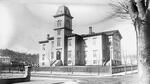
x,y
108,33
50,38
46,41
92,34
73,35
100,33
63,10
113,32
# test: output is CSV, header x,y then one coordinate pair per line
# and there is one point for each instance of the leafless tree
x,y
140,16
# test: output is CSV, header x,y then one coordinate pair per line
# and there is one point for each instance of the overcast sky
x,y
25,22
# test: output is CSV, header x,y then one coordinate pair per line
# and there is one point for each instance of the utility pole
x,y
124,54
72,66
125,67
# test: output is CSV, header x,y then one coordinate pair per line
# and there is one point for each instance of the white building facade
x,y
66,48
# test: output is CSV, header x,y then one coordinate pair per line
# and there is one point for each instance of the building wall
x,y
71,51
105,50
44,57
52,57
62,44
79,59
93,50
115,49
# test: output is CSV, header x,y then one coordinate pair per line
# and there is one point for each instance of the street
x,y
70,79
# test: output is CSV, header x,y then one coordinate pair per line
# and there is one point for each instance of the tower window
x,y
58,32
68,23
58,41
59,23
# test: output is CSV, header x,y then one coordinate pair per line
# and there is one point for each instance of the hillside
x,y
20,57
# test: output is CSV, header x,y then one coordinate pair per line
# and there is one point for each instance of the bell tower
x,y
63,27
63,19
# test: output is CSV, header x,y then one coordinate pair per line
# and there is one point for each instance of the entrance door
x,y
58,55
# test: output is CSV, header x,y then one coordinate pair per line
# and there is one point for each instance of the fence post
x,y
27,73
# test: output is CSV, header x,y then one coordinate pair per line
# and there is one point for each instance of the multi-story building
x,y
66,48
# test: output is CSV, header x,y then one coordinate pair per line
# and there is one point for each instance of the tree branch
x,y
133,11
147,3
141,8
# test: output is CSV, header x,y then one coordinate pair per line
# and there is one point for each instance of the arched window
x,y
58,55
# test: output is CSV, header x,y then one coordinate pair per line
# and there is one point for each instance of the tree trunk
x,y
143,45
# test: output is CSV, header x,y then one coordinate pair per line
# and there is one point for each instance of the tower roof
x,y
63,10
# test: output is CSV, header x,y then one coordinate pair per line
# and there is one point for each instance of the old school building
x,y
65,48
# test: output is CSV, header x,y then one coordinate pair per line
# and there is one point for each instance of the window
x,y
94,61
52,43
85,52
59,23
69,54
85,41
52,55
94,53
58,32
43,47
58,41
69,42
43,63
67,23
43,57
94,41
43,54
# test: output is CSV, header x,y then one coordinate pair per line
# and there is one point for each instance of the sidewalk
x,y
81,74
126,73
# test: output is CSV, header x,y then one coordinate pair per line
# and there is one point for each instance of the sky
x,y
25,22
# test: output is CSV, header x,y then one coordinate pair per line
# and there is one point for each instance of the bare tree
x,y
140,16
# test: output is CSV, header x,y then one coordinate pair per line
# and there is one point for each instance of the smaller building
x,y
4,59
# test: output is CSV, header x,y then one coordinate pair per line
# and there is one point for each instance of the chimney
x,y
48,36
90,30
